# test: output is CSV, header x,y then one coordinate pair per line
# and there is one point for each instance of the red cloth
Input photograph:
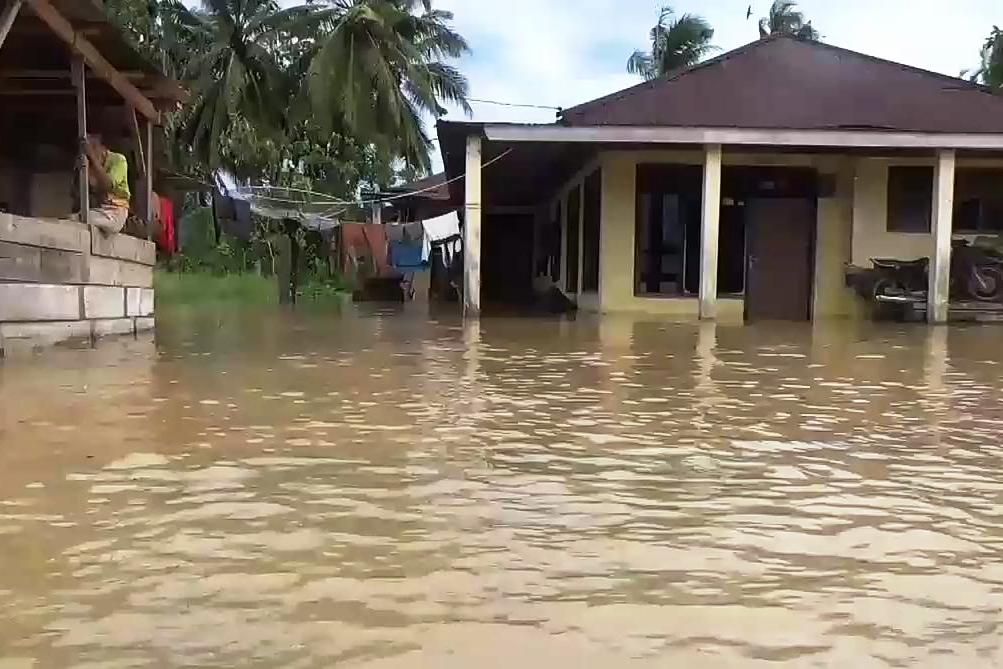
x,y
168,227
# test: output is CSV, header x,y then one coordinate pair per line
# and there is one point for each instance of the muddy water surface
x,y
385,491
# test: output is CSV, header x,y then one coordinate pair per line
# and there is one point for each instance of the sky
x,y
564,52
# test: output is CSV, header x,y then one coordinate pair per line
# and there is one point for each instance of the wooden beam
x,y
79,81
151,204
18,73
7,18
81,46
840,139
36,93
137,140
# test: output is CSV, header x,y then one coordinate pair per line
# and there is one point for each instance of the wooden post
x,y
79,74
151,204
7,18
709,229
938,294
472,230
80,84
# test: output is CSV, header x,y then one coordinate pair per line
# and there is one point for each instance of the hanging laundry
x,y
168,227
395,233
406,255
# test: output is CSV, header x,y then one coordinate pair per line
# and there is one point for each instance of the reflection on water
x,y
383,491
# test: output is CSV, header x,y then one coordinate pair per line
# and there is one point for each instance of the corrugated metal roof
x,y
784,83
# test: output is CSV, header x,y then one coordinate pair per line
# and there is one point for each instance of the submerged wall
x,y
59,282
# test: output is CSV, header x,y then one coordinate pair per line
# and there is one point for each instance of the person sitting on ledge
x,y
108,173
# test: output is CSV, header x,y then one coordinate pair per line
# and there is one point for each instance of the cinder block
x,y
43,333
132,301
138,301
111,272
146,302
113,326
39,302
124,247
104,302
145,324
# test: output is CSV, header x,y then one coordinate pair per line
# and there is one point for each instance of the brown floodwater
x,y
384,490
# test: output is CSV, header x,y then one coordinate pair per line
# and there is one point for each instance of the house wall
x,y
834,233
48,194
871,238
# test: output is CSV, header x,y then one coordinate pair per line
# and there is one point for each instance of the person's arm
x,y
95,171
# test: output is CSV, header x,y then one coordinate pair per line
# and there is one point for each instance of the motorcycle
x,y
899,279
976,272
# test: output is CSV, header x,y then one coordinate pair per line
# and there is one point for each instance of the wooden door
x,y
781,243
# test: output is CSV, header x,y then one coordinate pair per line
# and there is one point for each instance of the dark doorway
x,y
507,259
781,241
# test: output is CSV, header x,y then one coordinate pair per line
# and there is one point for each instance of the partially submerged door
x,y
781,242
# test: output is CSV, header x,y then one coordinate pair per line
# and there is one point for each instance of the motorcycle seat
x,y
893,263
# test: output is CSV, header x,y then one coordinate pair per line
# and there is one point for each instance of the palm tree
x,y
990,72
236,68
675,43
378,66
786,19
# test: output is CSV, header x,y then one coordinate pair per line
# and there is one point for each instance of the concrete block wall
x,y
57,282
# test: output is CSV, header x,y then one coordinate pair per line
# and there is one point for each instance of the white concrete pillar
x,y
709,230
472,229
942,224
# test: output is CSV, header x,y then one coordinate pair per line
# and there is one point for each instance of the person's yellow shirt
x,y
117,168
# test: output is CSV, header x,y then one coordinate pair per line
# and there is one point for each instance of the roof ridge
x,y
677,74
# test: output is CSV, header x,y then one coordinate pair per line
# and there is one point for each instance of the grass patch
x,y
205,288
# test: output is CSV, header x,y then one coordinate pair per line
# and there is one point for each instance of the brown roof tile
x,y
783,83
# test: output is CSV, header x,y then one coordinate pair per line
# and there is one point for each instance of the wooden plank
x,y
124,247
48,233
39,302
7,18
111,272
82,46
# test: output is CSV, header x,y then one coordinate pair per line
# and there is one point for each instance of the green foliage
x,y
199,287
378,66
990,71
323,95
675,43
786,19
